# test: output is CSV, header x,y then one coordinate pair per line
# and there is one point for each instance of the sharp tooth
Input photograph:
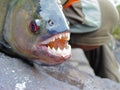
x,y
68,36
49,48
60,36
64,35
64,52
57,36
66,46
53,39
59,50
53,50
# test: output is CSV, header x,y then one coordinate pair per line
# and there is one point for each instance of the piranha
x,y
36,30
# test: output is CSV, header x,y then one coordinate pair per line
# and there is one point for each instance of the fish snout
x,y
57,26
53,16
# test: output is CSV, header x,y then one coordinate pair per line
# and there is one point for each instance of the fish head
x,y
38,31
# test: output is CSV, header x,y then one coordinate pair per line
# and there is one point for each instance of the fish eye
x,y
50,22
34,25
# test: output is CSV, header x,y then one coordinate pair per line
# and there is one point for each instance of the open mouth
x,y
58,45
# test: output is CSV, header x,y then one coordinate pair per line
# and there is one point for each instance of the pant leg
x,y
111,67
95,59
104,63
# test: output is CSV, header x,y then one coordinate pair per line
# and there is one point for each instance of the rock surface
x,y
18,75
117,50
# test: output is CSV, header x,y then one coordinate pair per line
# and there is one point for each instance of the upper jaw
x,y
57,36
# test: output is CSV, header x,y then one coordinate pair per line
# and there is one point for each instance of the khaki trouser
x,y
110,18
104,63
101,59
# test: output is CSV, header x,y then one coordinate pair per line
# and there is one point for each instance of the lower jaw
x,y
48,57
52,61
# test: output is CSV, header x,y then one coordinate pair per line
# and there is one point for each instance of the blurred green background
x,y
116,32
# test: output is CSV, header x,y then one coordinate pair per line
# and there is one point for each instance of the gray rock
x,y
117,51
74,74
78,72
16,75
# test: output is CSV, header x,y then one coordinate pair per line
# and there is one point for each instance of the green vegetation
x,y
116,32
